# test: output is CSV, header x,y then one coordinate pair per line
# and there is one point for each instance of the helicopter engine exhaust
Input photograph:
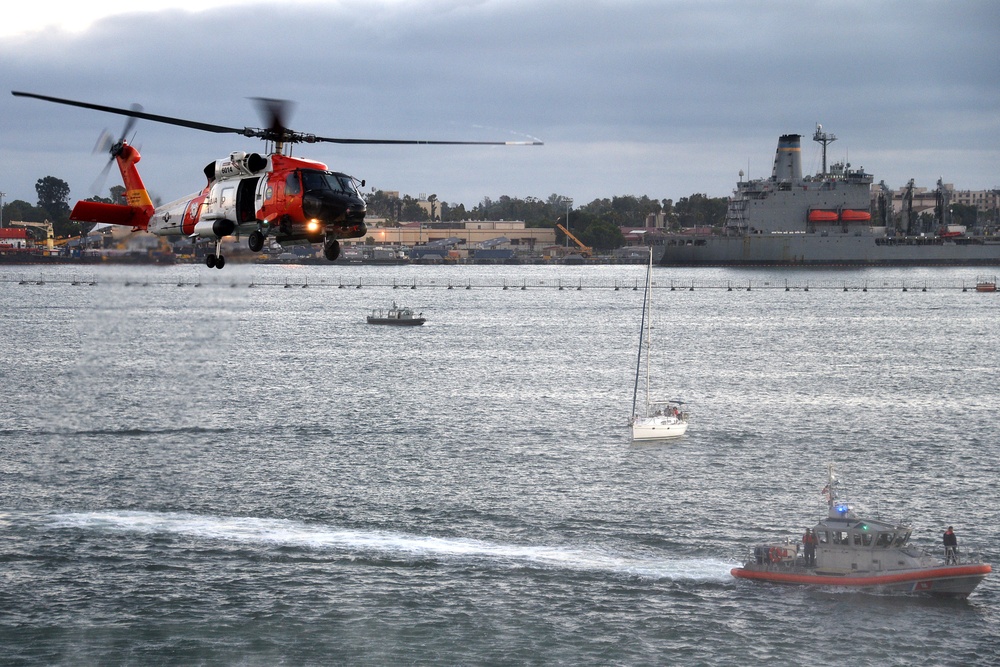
x,y
237,165
217,228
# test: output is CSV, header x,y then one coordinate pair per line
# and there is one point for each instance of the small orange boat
x,y
822,215
853,215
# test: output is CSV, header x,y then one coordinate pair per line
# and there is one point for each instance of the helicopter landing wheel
x,y
331,249
256,241
220,262
210,260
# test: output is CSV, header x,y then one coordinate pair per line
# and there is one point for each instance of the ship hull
x,y
949,581
833,250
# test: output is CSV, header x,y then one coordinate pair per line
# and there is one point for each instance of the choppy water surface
x,y
227,474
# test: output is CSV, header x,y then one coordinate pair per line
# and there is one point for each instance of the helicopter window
x,y
325,180
314,180
292,184
346,184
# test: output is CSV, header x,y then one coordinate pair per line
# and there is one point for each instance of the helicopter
x,y
258,195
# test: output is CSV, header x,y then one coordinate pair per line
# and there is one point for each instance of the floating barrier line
x,y
578,285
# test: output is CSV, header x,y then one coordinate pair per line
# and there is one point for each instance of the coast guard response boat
x,y
862,553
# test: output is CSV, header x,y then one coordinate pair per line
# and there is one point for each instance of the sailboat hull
x,y
658,428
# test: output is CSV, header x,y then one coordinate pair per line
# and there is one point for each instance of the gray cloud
x,y
663,98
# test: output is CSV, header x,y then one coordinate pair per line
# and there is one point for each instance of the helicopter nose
x,y
332,207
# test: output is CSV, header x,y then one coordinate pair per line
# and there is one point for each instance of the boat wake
x,y
379,544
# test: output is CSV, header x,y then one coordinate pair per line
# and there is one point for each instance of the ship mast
x,y
824,138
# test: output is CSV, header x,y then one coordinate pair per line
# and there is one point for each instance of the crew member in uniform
x,y
950,547
809,542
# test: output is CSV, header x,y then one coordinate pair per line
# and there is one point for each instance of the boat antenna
x,y
824,138
831,486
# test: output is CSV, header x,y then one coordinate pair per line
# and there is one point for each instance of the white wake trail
x,y
390,544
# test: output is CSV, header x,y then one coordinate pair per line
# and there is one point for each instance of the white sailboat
x,y
659,419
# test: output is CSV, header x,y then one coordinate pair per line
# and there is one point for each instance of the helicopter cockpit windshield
x,y
313,179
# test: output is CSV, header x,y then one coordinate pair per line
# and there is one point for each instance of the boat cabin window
x,y
824,537
901,539
866,539
841,537
884,540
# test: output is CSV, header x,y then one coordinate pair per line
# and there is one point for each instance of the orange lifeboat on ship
x,y
853,215
820,215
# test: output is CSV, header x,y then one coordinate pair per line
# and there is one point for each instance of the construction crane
x,y
585,250
47,226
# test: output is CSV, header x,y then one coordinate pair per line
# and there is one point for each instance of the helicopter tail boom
x,y
112,214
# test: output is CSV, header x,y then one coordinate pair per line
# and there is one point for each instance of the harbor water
x,y
203,467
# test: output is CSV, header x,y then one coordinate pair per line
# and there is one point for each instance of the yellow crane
x,y
585,250
47,226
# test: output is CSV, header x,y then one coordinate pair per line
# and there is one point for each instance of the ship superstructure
x,y
830,219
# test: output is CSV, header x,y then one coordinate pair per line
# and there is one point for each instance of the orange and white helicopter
x,y
291,199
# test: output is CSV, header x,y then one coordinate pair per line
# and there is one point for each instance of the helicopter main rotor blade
x,y
135,113
275,110
334,140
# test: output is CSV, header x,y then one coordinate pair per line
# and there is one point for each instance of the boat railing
x,y
963,555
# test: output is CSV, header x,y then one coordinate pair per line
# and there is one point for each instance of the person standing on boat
x,y
950,547
809,542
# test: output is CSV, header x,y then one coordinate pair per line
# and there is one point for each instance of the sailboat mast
x,y
642,331
649,323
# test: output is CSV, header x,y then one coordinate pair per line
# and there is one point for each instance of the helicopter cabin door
x,y
246,209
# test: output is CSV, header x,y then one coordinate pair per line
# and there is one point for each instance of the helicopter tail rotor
x,y
108,145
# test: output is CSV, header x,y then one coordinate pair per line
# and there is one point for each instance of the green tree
x,y
412,211
53,199
533,211
453,212
700,210
603,236
20,210
53,196
382,205
963,214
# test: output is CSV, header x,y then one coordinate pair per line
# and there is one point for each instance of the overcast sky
x,y
661,97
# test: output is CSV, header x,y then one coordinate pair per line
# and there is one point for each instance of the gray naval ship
x,y
830,219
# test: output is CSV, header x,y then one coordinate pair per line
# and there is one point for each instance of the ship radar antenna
x,y
824,138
